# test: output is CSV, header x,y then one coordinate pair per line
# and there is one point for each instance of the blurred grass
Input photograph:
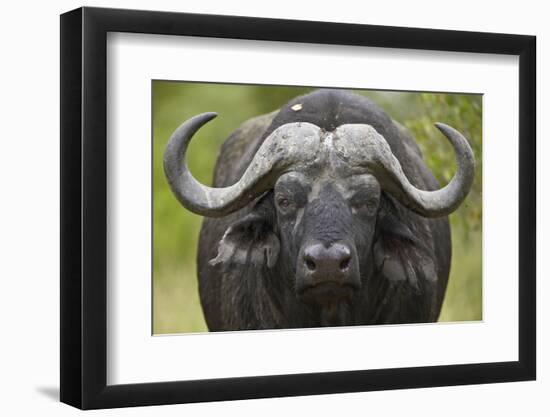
x,y
463,299
176,306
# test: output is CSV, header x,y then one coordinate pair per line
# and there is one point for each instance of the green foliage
x,y
463,112
176,306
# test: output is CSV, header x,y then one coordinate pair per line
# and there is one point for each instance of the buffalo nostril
x,y
345,263
310,264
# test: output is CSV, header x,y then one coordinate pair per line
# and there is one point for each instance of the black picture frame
x,y
84,207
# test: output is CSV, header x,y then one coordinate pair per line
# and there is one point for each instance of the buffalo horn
x,y
361,146
289,146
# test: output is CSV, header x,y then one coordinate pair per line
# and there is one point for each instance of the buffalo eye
x,y
283,203
371,207
362,205
291,191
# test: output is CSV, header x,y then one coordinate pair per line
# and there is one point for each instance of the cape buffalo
x,y
323,213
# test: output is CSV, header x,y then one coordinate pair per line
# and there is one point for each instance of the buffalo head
x,y
319,204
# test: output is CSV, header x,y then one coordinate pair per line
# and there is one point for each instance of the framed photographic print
x,y
360,215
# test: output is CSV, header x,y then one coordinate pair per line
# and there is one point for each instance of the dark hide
x,y
405,282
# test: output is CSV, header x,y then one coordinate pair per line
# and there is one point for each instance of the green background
x,y
176,306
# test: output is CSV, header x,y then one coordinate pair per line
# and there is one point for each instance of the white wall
x,y
29,101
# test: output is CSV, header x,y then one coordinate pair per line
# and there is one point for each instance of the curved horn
x,y
366,147
288,145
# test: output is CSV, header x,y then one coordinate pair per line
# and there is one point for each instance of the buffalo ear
x,y
400,256
250,240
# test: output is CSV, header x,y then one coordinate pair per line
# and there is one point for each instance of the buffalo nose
x,y
327,264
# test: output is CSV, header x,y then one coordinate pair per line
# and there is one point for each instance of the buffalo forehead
x,y
346,186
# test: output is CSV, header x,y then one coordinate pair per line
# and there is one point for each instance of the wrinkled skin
x,y
255,265
326,212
